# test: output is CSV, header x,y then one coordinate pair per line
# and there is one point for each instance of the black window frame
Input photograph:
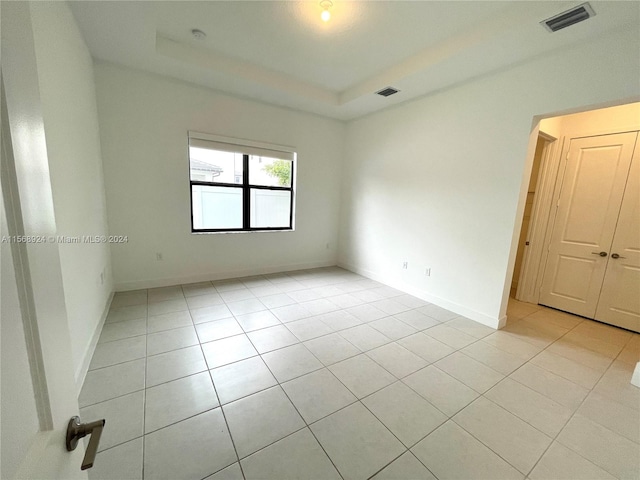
x,y
246,198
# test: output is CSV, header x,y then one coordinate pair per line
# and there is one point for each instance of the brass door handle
x,y
602,254
615,255
77,430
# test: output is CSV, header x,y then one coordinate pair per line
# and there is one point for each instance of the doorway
x,y
572,207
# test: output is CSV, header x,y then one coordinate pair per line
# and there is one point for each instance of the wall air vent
x,y
387,91
568,18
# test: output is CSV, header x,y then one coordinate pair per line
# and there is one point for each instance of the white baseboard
x,y
479,317
203,277
83,368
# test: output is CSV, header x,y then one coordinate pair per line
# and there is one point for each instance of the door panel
x,y
619,302
590,198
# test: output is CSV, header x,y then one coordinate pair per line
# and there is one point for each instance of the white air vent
x,y
570,17
387,91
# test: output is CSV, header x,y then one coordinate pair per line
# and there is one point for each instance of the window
x,y
240,185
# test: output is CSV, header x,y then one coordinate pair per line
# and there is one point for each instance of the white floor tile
x,y
392,328
426,347
450,336
171,340
340,435
409,416
261,419
257,320
567,368
201,301
209,314
365,337
290,313
308,328
228,350
175,364
210,331
232,472
242,378
242,307
272,338
534,408
174,401
110,382
169,306
510,437
404,468
169,321
608,450
396,359
440,389
331,348
119,351
121,330
362,375
493,357
612,415
452,453
339,320
550,385
296,456
318,394
205,448
121,314
470,372
291,362
417,319
561,462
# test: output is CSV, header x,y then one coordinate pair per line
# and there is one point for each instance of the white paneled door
x,y
593,187
619,302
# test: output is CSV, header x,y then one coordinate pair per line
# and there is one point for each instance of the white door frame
x,y
534,253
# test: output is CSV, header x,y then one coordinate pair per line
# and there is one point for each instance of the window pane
x,y
270,208
216,207
215,166
270,172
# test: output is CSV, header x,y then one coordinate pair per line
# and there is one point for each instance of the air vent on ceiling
x,y
570,17
385,92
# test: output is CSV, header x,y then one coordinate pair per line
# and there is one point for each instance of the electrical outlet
x,y
427,271
159,256
405,265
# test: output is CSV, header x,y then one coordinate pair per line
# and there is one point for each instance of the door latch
x,y
77,430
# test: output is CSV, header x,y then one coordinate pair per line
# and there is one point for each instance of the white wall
x,y
67,91
438,182
144,121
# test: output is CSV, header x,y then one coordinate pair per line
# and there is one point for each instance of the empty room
x,y
320,240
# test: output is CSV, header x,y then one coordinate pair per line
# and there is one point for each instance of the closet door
x,y
619,302
592,188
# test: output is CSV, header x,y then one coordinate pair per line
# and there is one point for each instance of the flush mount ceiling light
x,y
198,34
326,14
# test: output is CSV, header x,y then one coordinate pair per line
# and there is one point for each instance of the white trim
x,y
240,141
203,277
528,285
474,315
83,368
635,378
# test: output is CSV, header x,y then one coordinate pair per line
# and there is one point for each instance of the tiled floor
x,y
324,374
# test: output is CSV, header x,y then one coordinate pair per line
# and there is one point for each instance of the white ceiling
x,y
280,52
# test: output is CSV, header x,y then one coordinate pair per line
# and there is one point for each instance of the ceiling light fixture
x,y
326,14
